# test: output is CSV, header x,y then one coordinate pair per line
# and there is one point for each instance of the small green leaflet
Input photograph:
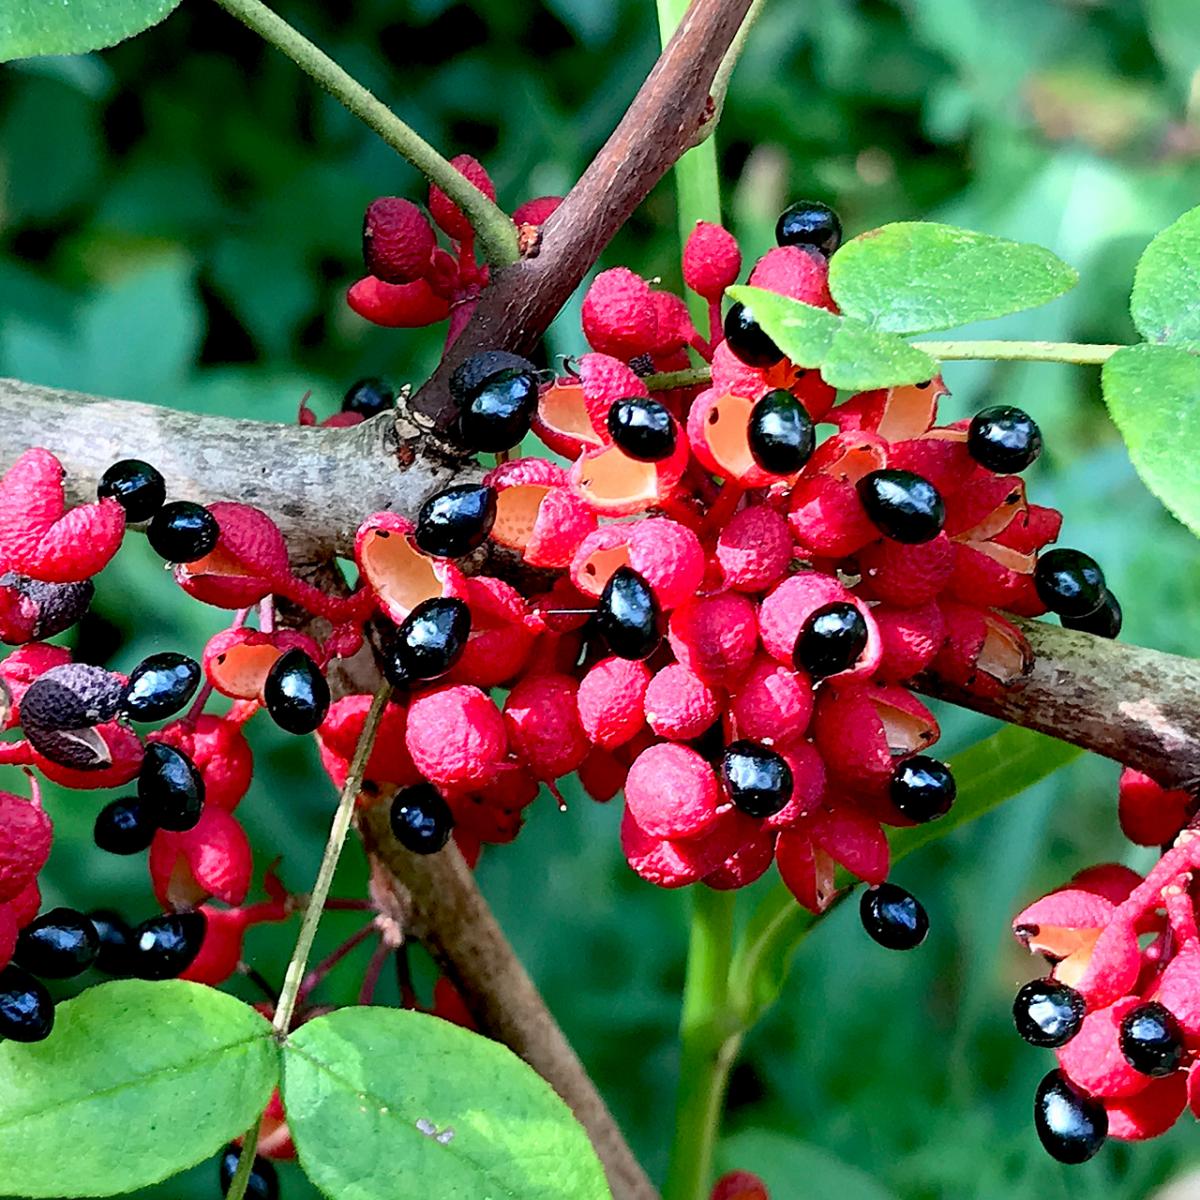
x,y
136,1082
32,27
1166,286
384,1103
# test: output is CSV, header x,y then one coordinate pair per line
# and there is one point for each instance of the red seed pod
x,y
21,668
853,839
906,575
562,420
237,661
1031,529
536,211
939,456
218,748
1113,881
711,260
492,824
618,315
827,517
715,637
773,704
615,485
739,1185
989,573
8,934
1150,814
397,305
212,859
678,705
754,549
26,904
398,240
603,381
115,757
1151,1112
896,414
450,218
536,513
1178,989
220,954
718,430
911,639
399,575
611,701
541,715
808,785
672,792
500,641
31,609
745,865
676,863
806,869
982,652
675,331
249,561
669,557
1110,971
602,775
390,761
604,551
792,271
456,736
984,506
25,837
1093,1060
1064,923
730,374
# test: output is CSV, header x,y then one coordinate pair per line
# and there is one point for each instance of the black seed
x,y
642,428
421,819
136,486
160,686
893,917
182,532
456,521
1069,583
58,944
831,640
263,1182
627,615
1105,622
171,787
115,936
809,223
903,506
164,947
369,397
1004,439
125,826
747,340
429,642
923,788
56,606
26,1010
758,780
1151,1040
1048,1013
1071,1125
495,393
296,693
781,433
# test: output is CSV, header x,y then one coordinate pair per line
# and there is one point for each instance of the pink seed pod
x,y
1063,923
450,218
715,637
906,575
536,513
398,240
730,374
1150,814
116,758
1110,971
808,785
676,863
863,730
1093,1060
787,607
602,775
25,837
456,737
26,904
827,518
773,704
536,211
604,380
672,792
399,575
1151,1112
615,485
618,315
754,549
562,420
21,668
500,641
212,859
989,573
1031,529
806,869
397,305
1113,881
611,701
911,639
711,260
982,652
669,557
792,271
675,330
745,865
390,761
541,715
718,430
604,551
739,1185
8,934
895,414
1178,989
678,705
237,661
218,748
249,561
853,839
984,506
939,456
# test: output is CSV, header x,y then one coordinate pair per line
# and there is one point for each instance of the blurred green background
x,y
179,218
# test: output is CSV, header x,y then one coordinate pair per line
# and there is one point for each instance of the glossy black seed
x,y
1069,583
903,505
296,693
421,819
1151,1040
1048,1013
456,521
923,788
136,486
26,1010
429,642
369,397
115,937
56,606
1105,622
893,917
809,223
495,393
182,532
831,640
58,944
125,826
747,339
642,428
160,686
781,433
1071,1125
1004,439
758,780
263,1182
628,615
170,787
165,946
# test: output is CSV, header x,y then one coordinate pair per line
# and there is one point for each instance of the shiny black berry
x,y
923,788
495,393
263,1182
893,917
747,339
115,937
1048,1013
421,819
58,944
26,1010
369,397
903,506
296,693
160,686
136,486
163,947
125,826
758,780
429,642
809,223
1151,1040
182,532
781,433
456,521
628,615
1004,439
1069,583
642,428
831,640
1105,622
170,787
1071,1125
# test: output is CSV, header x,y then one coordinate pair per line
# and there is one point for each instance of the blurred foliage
x,y
179,218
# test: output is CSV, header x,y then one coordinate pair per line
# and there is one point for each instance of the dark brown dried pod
x,y
31,609
73,696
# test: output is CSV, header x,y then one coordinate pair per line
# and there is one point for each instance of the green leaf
x,y
918,276
136,1082
31,27
1166,286
802,331
1153,397
779,1161
381,1099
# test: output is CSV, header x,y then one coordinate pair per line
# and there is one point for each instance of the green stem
x,y
720,86
494,230
692,377
241,1177
1081,353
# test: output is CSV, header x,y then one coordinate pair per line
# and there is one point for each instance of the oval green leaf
x,y
383,1102
1166,285
918,276
1153,397
137,1082
32,27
